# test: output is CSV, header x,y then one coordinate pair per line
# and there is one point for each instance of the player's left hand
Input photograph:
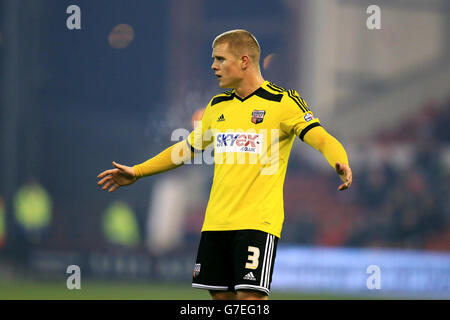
x,y
345,173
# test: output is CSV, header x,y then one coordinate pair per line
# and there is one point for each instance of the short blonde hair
x,y
240,42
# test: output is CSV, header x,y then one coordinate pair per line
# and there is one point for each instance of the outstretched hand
x,y
116,178
345,173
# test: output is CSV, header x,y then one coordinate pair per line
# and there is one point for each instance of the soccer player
x,y
252,127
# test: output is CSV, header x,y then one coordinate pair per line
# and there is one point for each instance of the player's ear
x,y
245,61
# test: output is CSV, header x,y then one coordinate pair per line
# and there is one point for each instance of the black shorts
x,y
235,260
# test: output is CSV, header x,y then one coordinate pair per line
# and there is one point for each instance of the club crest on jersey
x,y
258,116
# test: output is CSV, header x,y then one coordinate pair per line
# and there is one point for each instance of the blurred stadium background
x,y
72,101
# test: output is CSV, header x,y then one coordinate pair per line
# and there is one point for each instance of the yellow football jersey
x,y
252,140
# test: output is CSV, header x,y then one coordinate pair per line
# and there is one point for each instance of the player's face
x,y
226,66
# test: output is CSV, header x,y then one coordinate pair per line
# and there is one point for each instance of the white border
x,y
204,286
249,286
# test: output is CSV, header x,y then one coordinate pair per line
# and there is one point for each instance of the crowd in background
x,y
388,206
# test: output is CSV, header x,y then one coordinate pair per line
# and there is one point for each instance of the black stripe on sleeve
x,y
304,131
192,148
300,106
299,100
304,103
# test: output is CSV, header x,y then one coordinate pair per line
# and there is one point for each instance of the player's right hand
x,y
116,178
345,173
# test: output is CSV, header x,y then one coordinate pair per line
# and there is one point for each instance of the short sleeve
x,y
199,138
297,119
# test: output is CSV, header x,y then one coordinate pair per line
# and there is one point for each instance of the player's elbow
x,y
322,144
329,143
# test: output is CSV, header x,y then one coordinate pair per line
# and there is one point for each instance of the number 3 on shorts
x,y
253,258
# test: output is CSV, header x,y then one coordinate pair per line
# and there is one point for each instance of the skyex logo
x,y
238,142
